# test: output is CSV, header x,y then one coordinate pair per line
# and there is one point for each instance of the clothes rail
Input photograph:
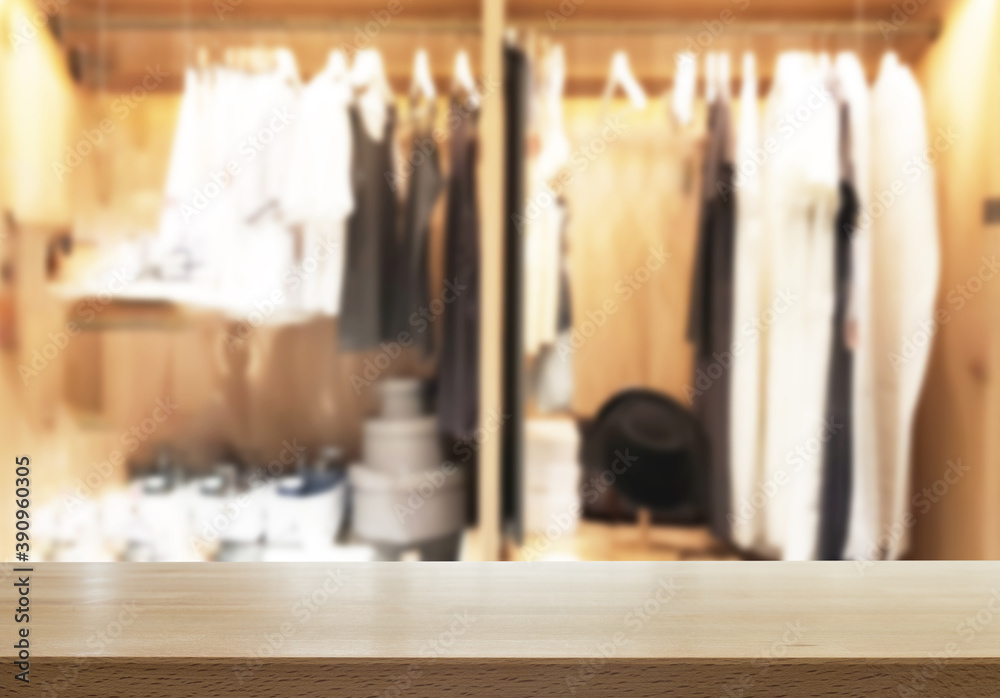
x,y
98,23
881,29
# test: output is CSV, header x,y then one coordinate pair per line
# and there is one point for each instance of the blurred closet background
x,y
214,308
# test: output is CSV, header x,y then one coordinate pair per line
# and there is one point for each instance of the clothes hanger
x,y
621,75
422,83
711,77
555,144
462,80
368,74
286,66
682,97
724,75
336,64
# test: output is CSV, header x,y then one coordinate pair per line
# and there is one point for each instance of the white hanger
x,y
555,145
368,71
286,65
422,83
724,75
711,77
336,63
682,102
621,76
462,78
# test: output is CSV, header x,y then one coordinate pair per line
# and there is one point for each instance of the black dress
x,y
371,234
711,314
458,375
835,495
411,296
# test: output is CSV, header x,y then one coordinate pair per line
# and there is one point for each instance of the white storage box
x,y
303,521
402,398
551,441
402,446
390,508
554,515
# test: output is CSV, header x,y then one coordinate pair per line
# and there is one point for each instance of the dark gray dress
x,y
411,294
711,315
371,234
458,373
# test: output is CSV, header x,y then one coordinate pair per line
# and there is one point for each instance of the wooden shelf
x,y
689,629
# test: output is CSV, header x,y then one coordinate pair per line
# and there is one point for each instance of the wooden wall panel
x,y
632,191
956,419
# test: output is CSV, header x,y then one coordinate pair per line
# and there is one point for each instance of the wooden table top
x,y
661,610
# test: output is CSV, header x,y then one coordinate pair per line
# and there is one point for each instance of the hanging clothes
x,y
746,405
318,192
411,281
548,318
801,186
903,278
840,464
458,374
265,244
371,236
710,316
553,376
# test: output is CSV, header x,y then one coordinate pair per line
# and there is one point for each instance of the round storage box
x,y
407,509
402,398
402,446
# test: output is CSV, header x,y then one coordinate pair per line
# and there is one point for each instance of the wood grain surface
x,y
686,629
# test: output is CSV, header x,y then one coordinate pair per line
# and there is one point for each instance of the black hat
x,y
654,452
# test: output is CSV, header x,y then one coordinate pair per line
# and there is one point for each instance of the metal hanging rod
x,y
400,25
872,28
366,24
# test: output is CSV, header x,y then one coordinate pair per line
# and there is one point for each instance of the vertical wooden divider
x,y
491,176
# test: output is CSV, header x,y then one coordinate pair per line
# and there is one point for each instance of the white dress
x,y
801,199
317,192
745,414
904,271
